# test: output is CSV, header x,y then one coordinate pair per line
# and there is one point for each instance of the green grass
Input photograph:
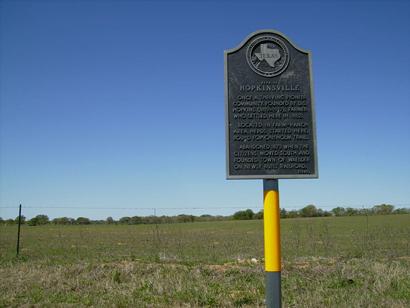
x,y
327,262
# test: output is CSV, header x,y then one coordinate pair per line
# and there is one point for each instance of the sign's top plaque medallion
x,y
268,55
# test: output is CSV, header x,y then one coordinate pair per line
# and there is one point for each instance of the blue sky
x,y
120,104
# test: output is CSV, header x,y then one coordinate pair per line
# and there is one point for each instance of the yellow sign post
x,y
271,227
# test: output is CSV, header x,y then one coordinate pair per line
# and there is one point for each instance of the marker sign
x,y
270,118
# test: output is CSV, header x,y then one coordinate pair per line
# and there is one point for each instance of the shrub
x,y
309,211
62,221
243,215
83,221
383,209
38,220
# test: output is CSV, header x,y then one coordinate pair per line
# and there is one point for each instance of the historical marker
x,y
270,118
270,128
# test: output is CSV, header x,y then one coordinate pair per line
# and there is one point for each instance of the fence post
x,y
18,232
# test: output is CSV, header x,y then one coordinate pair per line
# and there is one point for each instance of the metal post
x,y
271,225
18,232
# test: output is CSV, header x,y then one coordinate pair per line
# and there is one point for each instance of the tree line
x,y
313,211
126,220
308,211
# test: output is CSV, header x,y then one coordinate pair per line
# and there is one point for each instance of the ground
x,y
327,262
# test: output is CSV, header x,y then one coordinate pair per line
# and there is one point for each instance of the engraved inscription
x,y
268,119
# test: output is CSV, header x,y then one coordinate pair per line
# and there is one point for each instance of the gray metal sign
x,y
269,109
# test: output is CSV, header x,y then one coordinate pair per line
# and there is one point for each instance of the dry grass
x,y
327,263
314,282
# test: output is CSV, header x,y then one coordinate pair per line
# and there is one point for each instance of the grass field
x,y
327,262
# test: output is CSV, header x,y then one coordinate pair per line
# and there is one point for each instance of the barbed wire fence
x,y
120,212
157,241
210,210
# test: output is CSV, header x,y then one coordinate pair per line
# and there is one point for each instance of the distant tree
x,y
166,219
1,221
135,220
283,213
83,221
9,221
401,211
351,211
258,215
326,214
39,220
309,211
383,209
125,220
339,211
292,214
220,217
43,219
243,215
23,220
151,219
185,218
364,211
62,221
206,217
319,213
109,220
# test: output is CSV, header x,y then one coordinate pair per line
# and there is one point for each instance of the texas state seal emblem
x,y
268,55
